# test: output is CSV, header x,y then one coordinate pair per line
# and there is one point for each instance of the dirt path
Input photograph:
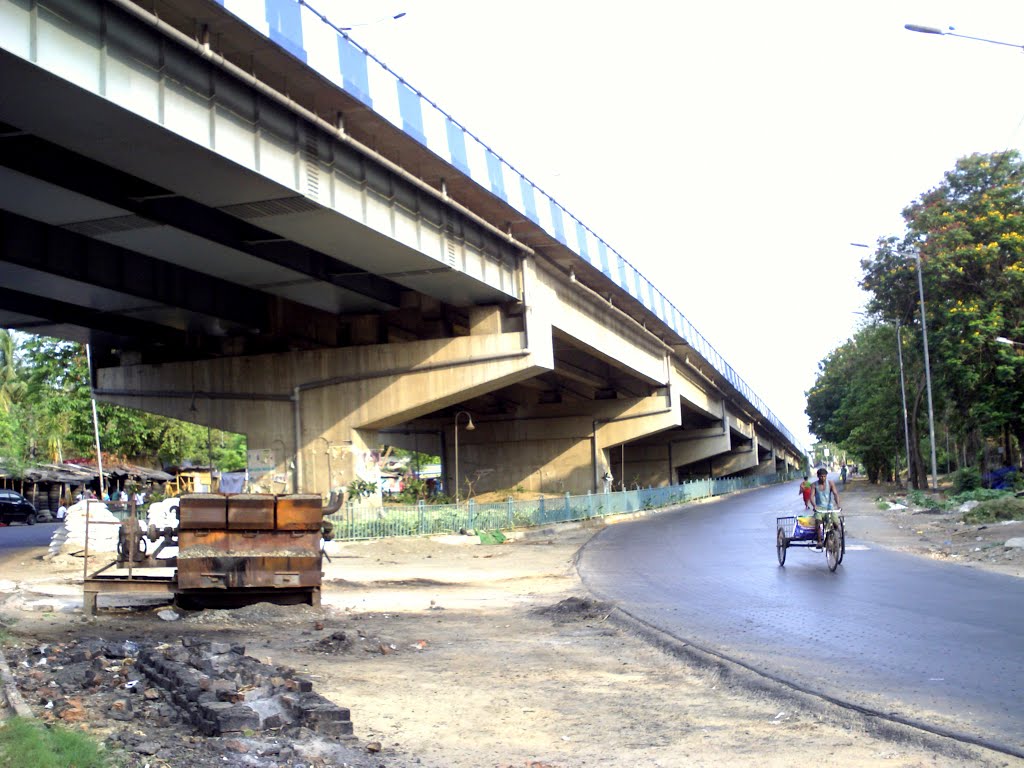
x,y
462,655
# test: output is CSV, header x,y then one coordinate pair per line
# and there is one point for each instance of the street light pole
x,y
927,372
469,428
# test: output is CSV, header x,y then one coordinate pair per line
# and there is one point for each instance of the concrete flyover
x,y
259,237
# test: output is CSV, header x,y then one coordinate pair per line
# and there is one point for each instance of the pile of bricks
x,y
221,690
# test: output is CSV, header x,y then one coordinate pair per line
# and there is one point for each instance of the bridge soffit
x,y
300,168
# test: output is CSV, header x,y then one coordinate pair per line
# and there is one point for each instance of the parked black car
x,y
15,508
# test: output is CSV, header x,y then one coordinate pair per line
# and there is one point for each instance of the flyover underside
x,y
238,261
542,423
198,210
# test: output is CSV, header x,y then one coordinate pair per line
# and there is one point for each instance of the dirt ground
x,y
456,654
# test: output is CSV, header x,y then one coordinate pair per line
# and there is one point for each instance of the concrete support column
x,y
314,416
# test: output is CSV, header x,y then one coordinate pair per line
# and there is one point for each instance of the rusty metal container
x,y
202,511
251,559
299,512
250,512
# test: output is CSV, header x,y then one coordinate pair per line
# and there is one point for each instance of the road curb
x,y
10,689
883,725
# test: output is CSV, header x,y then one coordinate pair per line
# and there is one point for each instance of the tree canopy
x,y
46,415
967,238
854,404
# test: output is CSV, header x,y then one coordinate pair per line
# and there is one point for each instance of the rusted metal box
x,y
240,560
250,512
202,511
299,512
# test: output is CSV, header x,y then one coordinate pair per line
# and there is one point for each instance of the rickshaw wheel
x,y
832,555
781,545
841,529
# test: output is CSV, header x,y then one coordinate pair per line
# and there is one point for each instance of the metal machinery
x,y
232,549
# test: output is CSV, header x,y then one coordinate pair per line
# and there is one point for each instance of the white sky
x,y
730,151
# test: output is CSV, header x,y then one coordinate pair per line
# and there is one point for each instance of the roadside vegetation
x,y
30,744
992,507
46,415
996,510
967,237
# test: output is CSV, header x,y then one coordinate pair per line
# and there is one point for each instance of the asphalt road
x,y
20,536
921,641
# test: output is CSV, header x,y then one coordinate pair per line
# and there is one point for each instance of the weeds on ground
x,y
978,494
918,499
28,744
1006,507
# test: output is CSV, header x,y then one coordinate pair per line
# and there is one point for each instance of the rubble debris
x,y
212,686
577,609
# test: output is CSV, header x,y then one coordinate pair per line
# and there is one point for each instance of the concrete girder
x,y
703,445
695,394
553,450
740,426
598,328
734,462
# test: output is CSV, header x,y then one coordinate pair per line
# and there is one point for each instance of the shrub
x,y
359,489
978,494
918,499
992,511
966,479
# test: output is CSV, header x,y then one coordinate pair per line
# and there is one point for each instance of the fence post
x,y
421,510
542,518
568,507
472,506
508,506
590,504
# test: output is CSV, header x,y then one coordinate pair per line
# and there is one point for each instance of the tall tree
x,y
968,233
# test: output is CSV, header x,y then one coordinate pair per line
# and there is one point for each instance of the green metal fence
x,y
357,521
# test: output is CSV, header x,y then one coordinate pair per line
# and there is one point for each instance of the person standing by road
x,y
824,492
806,489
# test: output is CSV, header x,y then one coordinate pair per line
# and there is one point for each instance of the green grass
x,y
31,744
995,510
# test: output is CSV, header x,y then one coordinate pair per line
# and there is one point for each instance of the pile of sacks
x,y
69,538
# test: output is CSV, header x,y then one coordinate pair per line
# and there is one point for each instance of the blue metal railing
x,y
358,521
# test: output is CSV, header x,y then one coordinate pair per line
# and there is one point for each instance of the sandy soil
x,y
456,654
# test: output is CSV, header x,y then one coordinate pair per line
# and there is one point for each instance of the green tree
x,y
855,400
12,386
969,234
53,420
57,403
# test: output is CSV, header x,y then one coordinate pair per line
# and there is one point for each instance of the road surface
x,y
918,640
